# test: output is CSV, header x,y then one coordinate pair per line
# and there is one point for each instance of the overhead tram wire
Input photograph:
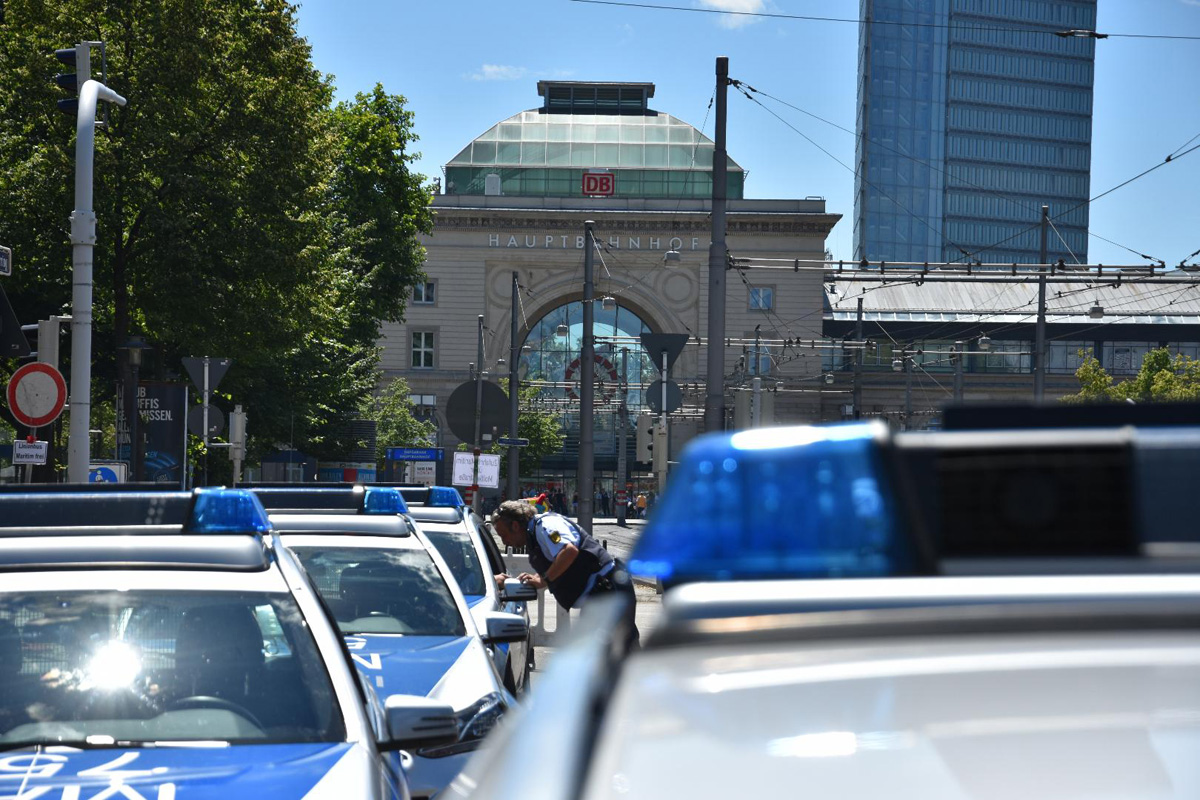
x,y
809,18
955,179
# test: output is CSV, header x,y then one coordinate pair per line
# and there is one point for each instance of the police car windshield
x,y
370,590
458,551
152,666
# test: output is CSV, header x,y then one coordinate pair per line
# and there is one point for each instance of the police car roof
x,y
393,526
80,528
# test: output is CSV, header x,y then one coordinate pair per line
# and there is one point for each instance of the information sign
x,y
464,469
25,452
414,453
489,471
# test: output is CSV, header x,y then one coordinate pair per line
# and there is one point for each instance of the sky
x,y
464,65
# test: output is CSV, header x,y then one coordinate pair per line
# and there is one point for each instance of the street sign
x,y
13,343
656,343
513,442
460,410
653,397
108,472
464,469
489,471
195,421
36,394
30,452
217,367
5,261
599,184
414,453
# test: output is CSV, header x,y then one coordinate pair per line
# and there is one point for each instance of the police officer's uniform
x,y
593,571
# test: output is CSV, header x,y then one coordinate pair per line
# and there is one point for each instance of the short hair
x,y
521,511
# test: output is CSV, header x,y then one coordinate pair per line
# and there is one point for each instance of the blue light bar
x,y
384,500
799,502
444,497
228,511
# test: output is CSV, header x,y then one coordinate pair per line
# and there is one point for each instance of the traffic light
x,y
80,57
645,443
660,446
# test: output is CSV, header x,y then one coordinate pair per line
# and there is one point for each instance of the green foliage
x,y
1162,378
543,429
395,425
240,213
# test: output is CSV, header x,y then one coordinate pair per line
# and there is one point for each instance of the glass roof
x,y
536,140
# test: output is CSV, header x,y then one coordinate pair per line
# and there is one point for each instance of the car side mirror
x,y
502,627
517,591
414,722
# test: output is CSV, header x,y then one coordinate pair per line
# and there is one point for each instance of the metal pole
x,y
958,371
619,498
859,355
83,240
584,475
1039,345
757,346
205,412
478,412
907,390
756,403
135,418
714,398
514,354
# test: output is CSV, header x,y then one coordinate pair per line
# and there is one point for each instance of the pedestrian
x,y
604,503
641,505
575,506
566,559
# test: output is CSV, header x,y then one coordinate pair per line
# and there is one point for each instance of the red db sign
x,y
599,183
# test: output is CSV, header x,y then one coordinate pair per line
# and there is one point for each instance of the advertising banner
x,y
162,428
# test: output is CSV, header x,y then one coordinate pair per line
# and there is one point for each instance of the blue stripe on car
x,y
404,664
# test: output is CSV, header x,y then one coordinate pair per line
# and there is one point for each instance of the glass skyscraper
x,y
971,115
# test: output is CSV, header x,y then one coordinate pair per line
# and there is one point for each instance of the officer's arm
x,y
562,562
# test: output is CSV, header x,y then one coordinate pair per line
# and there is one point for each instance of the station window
x,y
425,294
762,298
422,349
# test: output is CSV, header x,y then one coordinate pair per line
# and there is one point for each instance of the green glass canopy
x,y
540,154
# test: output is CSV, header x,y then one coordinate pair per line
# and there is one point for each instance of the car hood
x,y
396,664
162,773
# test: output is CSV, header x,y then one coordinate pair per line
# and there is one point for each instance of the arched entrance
x,y
550,361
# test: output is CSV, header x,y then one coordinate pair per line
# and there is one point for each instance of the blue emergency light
x,y
227,511
778,503
444,497
383,500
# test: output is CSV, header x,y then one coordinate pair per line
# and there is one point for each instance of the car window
x,y
141,666
457,549
370,590
493,551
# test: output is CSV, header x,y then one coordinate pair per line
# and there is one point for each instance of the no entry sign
x,y
36,394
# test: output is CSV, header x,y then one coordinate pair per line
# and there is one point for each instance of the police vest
x,y
569,586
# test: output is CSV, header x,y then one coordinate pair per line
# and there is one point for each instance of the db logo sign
x,y
603,184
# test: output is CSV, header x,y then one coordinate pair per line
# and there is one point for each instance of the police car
x,y
856,614
164,644
471,552
399,610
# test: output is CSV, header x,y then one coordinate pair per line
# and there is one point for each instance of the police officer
x,y
567,559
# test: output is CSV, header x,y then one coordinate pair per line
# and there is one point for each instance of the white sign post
x,y
464,469
489,471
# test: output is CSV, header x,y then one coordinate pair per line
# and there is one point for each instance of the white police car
x,y
400,611
473,556
163,644
851,614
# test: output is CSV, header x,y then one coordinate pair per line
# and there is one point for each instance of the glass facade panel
x,y
983,125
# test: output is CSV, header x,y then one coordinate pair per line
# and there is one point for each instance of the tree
x,y
542,428
1162,378
395,425
239,213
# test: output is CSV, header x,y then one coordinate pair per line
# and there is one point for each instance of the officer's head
x,y
511,519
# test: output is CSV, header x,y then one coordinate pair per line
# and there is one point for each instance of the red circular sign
x,y
36,394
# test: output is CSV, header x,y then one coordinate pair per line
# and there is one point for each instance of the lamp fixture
x,y
672,259
1096,311
985,342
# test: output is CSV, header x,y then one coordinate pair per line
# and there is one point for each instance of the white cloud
x,y
498,72
744,6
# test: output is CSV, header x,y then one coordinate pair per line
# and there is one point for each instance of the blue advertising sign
x,y
414,453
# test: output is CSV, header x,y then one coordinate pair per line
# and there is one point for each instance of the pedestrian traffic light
x,y
79,57
645,439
